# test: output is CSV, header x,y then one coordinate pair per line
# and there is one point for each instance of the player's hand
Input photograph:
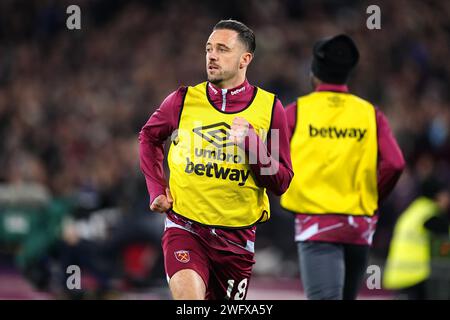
x,y
239,130
162,203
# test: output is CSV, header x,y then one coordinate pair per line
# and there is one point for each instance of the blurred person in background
x,y
408,265
345,161
211,212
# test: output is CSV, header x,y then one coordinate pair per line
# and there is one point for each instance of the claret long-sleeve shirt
x,y
164,122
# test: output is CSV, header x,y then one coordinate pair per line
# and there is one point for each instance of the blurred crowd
x,y
73,101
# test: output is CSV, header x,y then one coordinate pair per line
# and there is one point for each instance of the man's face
x,y
224,55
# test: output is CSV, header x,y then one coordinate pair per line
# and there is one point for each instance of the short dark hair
x,y
245,34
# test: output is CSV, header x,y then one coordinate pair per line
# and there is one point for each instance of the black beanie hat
x,y
334,58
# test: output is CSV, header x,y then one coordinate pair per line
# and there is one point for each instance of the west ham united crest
x,y
182,256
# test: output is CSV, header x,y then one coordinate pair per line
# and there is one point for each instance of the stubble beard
x,y
216,79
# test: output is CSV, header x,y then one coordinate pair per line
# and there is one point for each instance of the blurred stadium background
x,y
72,104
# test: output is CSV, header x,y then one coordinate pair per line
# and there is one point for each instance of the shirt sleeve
x,y
270,162
291,116
152,138
390,158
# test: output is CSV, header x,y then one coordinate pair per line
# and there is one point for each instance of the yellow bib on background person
x,y
408,261
334,156
210,179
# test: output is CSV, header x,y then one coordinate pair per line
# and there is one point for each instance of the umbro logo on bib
x,y
217,134
219,162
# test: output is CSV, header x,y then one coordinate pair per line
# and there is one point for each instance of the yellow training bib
x,y
334,156
210,178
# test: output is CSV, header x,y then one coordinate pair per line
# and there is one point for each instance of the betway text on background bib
x,y
334,156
